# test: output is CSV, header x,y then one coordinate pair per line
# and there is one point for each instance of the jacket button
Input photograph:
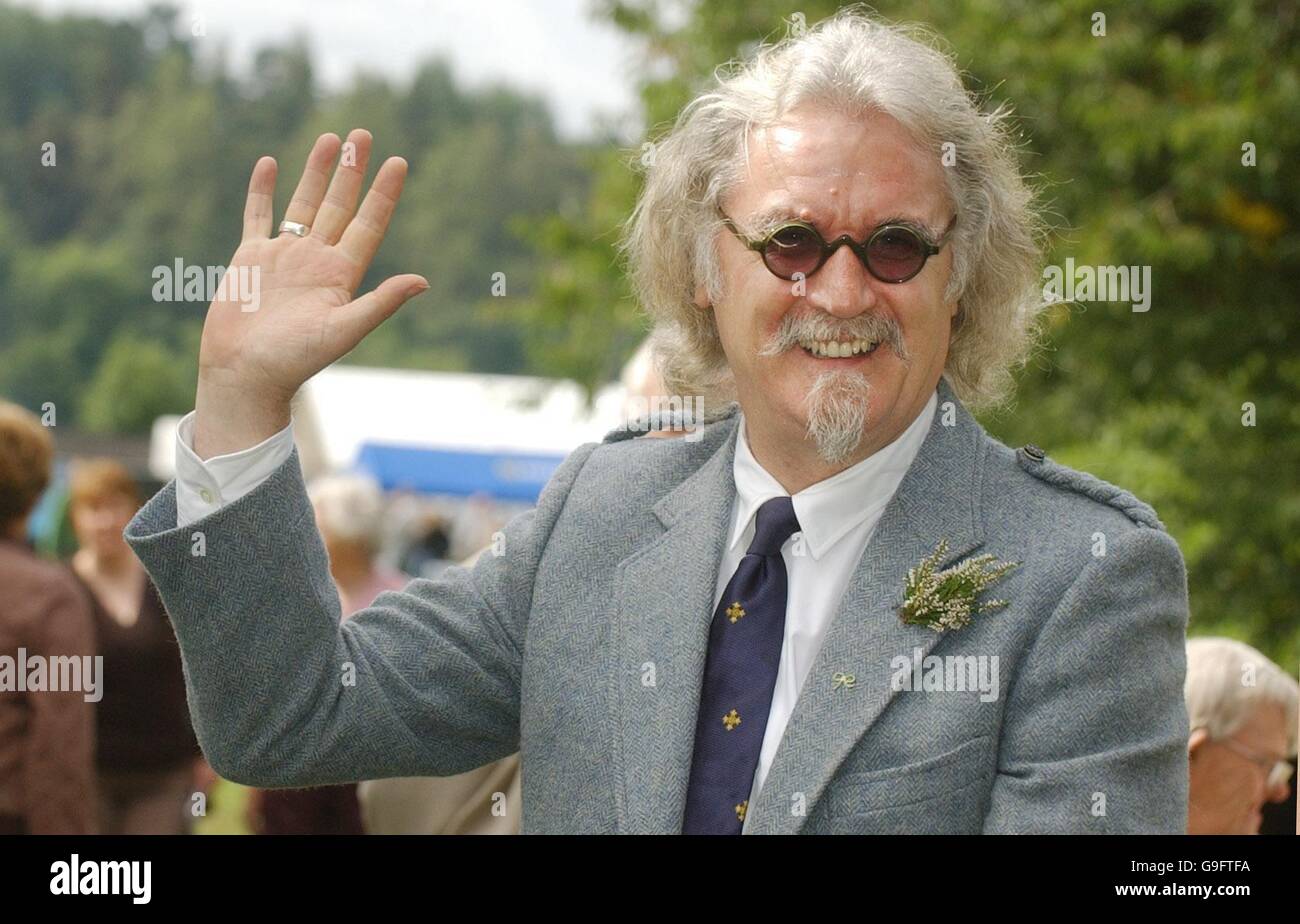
x,y
1034,452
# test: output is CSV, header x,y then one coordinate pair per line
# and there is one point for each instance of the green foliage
x,y
137,381
582,322
152,156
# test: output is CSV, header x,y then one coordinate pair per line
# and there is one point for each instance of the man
x,y
707,635
47,730
1242,710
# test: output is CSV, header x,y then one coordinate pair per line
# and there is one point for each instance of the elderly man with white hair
x,y
1242,710
349,512
844,607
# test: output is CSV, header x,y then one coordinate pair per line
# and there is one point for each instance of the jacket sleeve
x,y
1095,729
424,682
59,768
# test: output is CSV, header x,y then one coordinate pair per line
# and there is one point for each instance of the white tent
x,y
346,408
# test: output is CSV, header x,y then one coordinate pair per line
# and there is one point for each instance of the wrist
x,y
228,419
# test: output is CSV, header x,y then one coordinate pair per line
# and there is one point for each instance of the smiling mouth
x,y
834,349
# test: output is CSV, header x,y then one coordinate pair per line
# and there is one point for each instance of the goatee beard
x,y
837,414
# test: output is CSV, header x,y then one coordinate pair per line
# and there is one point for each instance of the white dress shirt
x,y
837,518
205,487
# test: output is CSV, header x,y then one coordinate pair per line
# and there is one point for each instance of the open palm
x,y
257,353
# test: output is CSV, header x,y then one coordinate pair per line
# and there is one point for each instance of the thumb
x,y
360,316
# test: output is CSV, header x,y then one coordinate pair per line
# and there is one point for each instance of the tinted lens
x,y
793,249
896,254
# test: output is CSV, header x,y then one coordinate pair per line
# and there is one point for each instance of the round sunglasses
x,y
892,253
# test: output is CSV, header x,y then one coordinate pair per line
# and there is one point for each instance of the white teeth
x,y
833,349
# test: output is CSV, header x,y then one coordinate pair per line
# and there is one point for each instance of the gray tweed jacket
x,y
583,644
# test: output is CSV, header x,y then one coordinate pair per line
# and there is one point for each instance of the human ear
x,y
702,298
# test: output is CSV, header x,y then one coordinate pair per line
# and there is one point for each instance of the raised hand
x,y
251,362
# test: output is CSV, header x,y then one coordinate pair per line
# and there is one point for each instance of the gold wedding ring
x,y
294,227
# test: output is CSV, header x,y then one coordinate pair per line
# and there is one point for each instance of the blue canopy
x,y
506,475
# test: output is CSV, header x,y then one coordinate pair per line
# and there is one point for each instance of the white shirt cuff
x,y
204,487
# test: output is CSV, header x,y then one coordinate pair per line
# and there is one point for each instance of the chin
x,y
838,412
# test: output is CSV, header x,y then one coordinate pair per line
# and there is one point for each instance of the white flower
x,y
945,599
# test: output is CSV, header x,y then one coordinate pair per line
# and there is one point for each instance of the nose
x,y
842,287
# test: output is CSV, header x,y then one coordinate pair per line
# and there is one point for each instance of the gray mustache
x,y
867,327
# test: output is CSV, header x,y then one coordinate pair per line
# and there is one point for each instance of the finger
x,y
341,198
311,185
355,320
258,207
366,231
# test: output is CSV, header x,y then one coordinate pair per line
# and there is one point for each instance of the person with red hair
x,y
47,736
148,755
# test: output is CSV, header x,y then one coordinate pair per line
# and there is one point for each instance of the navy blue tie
x,y
739,677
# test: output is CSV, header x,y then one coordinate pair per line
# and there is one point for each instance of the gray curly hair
x,y
854,62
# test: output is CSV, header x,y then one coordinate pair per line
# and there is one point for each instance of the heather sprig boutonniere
x,y
945,599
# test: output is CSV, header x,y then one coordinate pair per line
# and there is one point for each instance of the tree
x,y
137,381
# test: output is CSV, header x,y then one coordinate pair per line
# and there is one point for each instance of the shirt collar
x,y
829,509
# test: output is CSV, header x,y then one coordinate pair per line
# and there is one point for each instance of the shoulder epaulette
x,y
1035,461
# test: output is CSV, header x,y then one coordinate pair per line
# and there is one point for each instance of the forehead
x,y
822,164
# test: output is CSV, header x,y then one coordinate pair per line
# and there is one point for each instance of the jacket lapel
x,y
664,599
937,498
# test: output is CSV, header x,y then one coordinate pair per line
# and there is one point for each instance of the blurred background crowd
x,y
1164,142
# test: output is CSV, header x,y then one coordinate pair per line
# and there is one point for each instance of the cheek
x,y
750,314
927,325
1243,790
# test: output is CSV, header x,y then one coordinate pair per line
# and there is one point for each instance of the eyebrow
x,y
769,219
